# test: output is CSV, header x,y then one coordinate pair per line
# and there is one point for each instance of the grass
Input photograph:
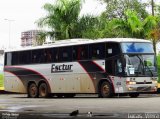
x,y
1,81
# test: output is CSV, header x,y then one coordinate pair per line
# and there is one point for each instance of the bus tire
x,y
105,90
134,95
43,90
32,90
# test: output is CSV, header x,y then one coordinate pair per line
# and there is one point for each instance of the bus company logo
x,y
61,68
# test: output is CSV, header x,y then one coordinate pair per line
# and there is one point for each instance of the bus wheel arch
x,y
32,90
43,89
105,89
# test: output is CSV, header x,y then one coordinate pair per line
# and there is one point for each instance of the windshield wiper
x,y
145,65
149,70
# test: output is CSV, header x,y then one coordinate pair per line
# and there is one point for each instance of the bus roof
x,y
72,42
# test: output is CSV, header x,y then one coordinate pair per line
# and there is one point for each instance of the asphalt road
x,y
20,107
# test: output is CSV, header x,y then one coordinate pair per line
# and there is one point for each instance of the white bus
x,y
82,66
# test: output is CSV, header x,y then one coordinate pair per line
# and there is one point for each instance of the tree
x,y
61,17
40,38
87,27
117,8
152,29
129,26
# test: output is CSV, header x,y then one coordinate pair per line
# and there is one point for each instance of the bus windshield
x,y
140,65
137,47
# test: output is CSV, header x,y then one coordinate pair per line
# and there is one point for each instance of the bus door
x,y
114,67
1,70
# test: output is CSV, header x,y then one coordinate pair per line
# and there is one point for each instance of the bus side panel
x,y
14,84
77,80
60,77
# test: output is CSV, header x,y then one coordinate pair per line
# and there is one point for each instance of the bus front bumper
x,y
142,88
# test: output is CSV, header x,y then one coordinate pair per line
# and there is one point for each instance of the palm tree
x,y
130,26
87,27
61,17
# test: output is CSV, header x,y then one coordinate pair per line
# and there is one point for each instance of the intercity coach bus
x,y
82,66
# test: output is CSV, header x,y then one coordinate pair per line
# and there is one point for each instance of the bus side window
x,y
25,57
54,54
74,54
36,56
8,58
15,58
82,52
48,56
97,51
65,54
45,57
112,49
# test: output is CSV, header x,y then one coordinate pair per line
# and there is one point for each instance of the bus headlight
x,y
130,89
154,81
130,82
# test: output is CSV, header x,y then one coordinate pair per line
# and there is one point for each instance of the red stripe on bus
x,y
88,75
112,82
98,66
15,76
31,71
105,71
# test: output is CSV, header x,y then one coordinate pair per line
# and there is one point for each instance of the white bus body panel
x,y
77,80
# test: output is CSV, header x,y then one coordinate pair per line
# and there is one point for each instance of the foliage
x,y
152,29
61,17
158,62
41,37
117,8
135,27
122,18
129,27
86,27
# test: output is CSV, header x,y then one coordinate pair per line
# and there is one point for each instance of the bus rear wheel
x,y
43,90
32,91
105,90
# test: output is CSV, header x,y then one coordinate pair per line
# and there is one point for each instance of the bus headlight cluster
x,y
130,82
154,81
130,88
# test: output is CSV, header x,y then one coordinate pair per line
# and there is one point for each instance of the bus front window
x,y
140,65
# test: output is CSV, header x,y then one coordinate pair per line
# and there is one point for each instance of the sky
x,y
22,14
17,16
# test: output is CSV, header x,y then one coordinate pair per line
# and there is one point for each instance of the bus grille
x,y
144,89
143,82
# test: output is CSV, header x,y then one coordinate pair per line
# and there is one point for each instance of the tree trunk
x,y
154,45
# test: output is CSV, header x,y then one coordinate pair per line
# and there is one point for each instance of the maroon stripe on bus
x,y
14,69
88,75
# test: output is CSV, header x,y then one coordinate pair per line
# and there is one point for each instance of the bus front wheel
x,y
105,90
43,90
32,91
